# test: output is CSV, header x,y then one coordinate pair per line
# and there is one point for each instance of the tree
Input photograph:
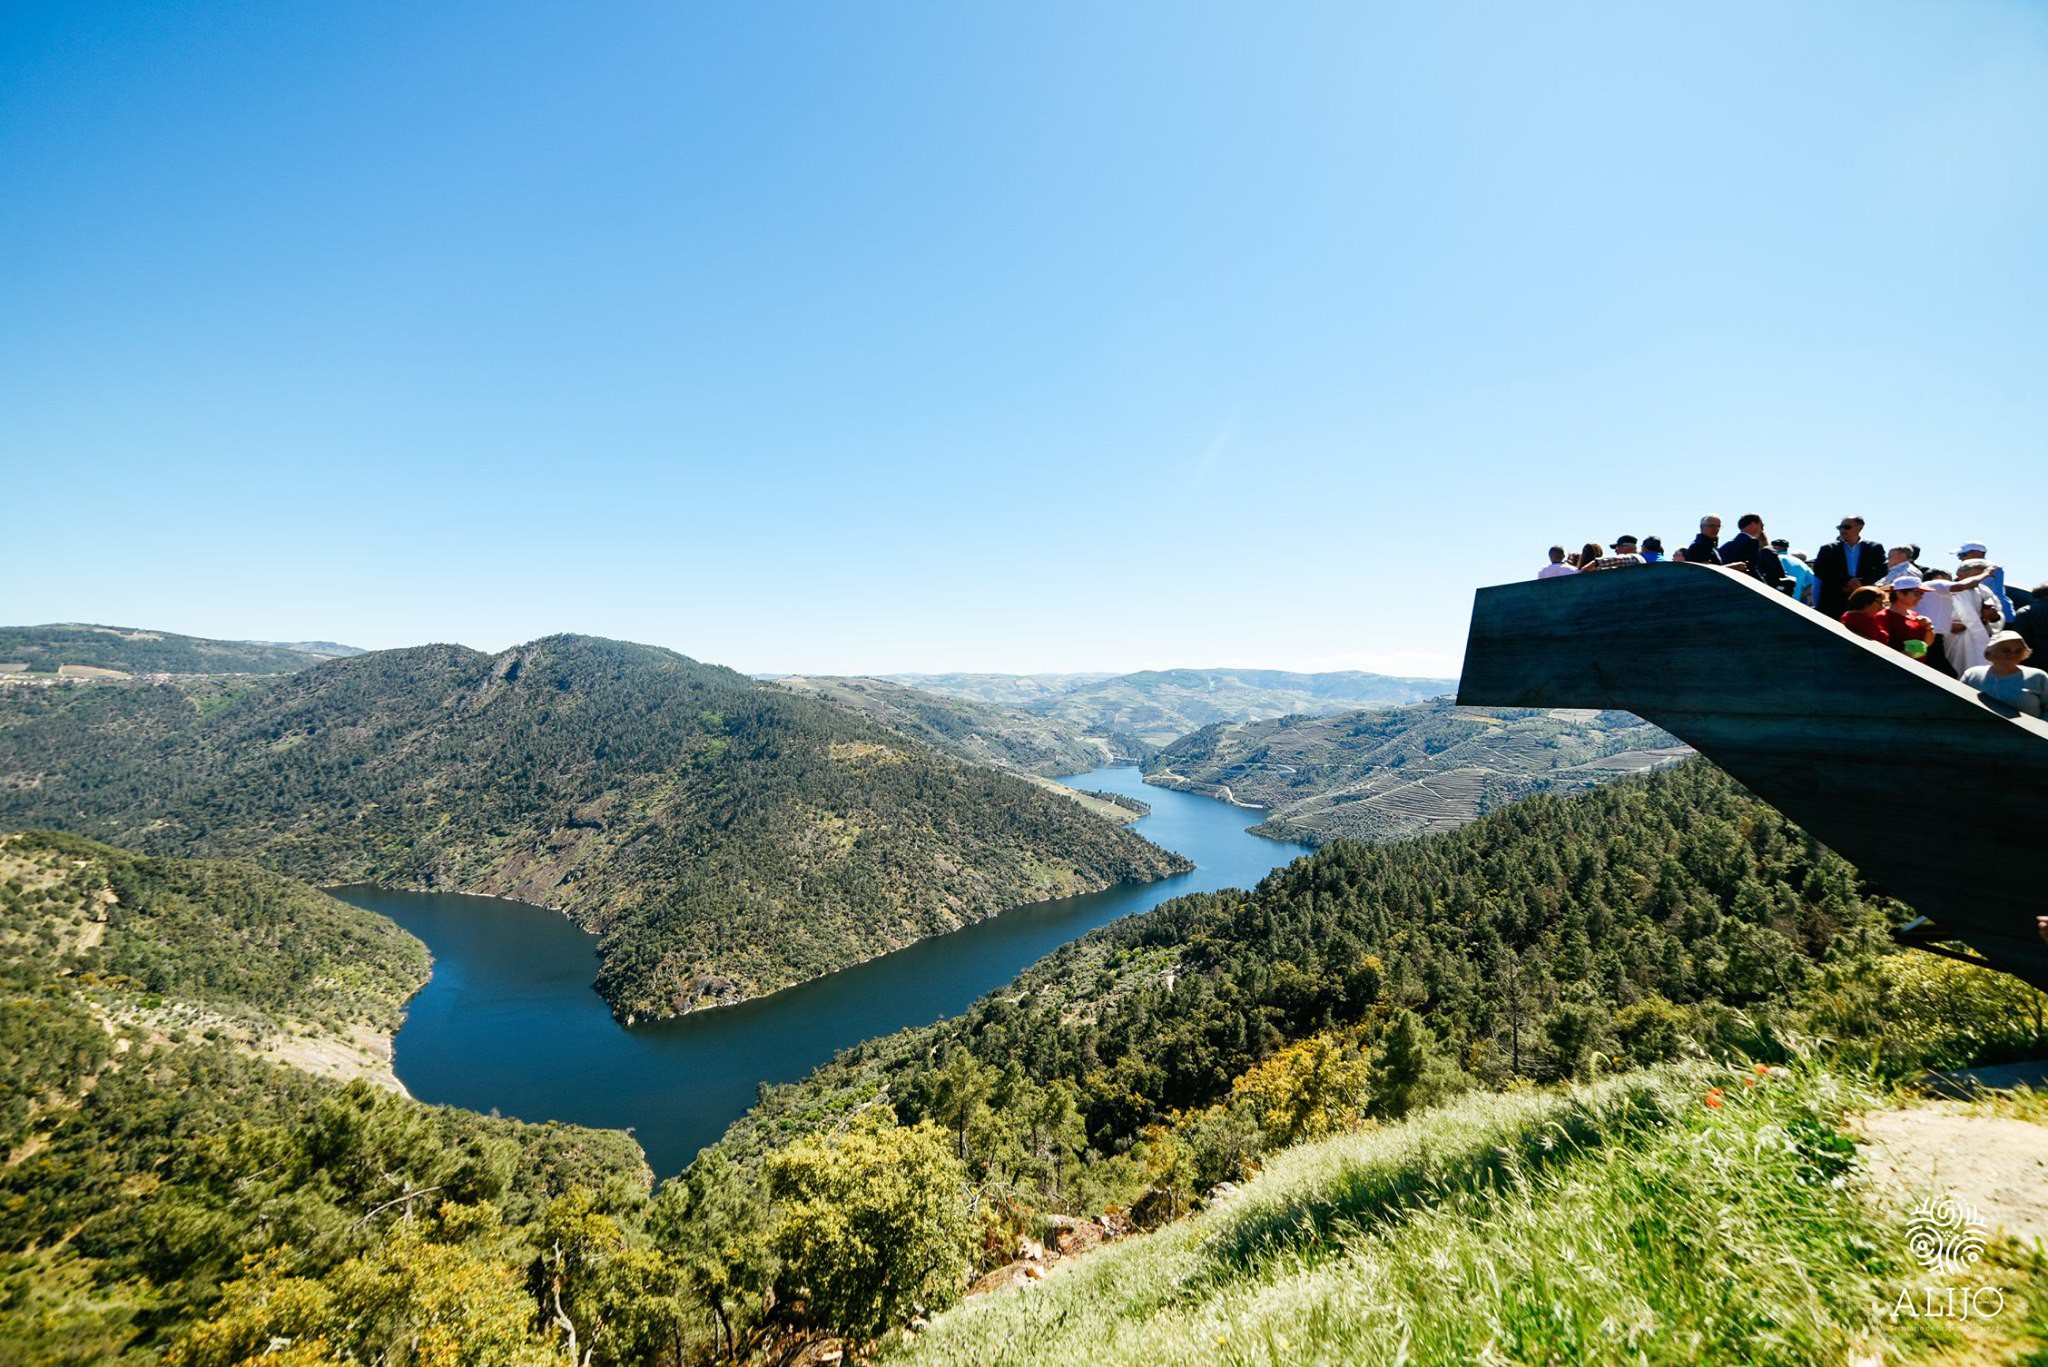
x,y
956,1096
1576,1030
580,1249
1307,1090
419,1302
871,1224
710,1224
1412,1070
1651,1030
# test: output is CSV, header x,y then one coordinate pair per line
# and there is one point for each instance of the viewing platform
x,y
1935,794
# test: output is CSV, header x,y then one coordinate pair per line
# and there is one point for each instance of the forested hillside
x,y
1641,921
167,1195
1139,713
241,954
43,649
1402,771
725,837
1666,917
154,1168
982,732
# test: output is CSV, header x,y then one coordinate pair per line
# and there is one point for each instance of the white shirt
x,y
1557,571
1937,607
1965,648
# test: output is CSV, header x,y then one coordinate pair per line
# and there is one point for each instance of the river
x,y
509,1023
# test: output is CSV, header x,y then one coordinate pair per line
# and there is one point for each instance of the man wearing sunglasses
x,y
1845,565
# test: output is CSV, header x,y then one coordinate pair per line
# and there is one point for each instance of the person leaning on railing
x,y
2006,678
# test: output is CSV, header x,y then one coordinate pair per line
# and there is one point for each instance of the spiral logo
x,y
1945,1235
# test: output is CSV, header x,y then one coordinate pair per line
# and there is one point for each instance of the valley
x,y
725,838
1583,914
505,970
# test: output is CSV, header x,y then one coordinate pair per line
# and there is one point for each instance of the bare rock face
x,y
1071,1236
1019,1273
1154,1208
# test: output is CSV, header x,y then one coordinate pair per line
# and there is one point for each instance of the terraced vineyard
x,y
1382,774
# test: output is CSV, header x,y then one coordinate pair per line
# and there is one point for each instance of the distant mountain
x,y
1007,737
726,837
1138,713
1007,690
325,650
1402,771
84,649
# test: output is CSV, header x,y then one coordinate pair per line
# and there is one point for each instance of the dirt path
x,y
1997,1163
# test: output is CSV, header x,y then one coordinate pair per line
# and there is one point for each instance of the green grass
x,y
1627,1222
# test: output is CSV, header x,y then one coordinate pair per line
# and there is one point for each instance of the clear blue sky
x,y
884,336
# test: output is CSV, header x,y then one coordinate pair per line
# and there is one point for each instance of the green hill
x,y
128,650
242,954
979,732
1402,771
157,1161
1636,918
1663,918
725,837
1440,1020
1141,712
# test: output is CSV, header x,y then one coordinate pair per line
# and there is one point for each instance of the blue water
x,y
510,1024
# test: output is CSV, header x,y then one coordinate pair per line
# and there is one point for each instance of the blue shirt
x,y
1805,586
1996,585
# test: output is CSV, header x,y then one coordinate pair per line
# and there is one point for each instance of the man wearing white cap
x,y
1995,585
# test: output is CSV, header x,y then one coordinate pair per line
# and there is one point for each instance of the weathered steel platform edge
x,y
1935,794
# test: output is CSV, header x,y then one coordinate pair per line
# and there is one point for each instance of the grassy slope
x,y
1626,1221
134,651
728,838
1378,775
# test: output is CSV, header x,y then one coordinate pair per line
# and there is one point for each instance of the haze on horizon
x,y
905,339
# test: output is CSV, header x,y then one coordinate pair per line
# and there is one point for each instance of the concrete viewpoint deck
x,y
1938,797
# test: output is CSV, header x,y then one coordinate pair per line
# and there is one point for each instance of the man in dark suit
x,y
1748,549
1706,547
1846,565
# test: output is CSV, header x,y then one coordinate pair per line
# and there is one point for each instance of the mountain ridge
x,y
724,838
1146,710
93,646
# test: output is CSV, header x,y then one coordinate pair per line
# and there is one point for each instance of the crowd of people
x,y
1964,623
